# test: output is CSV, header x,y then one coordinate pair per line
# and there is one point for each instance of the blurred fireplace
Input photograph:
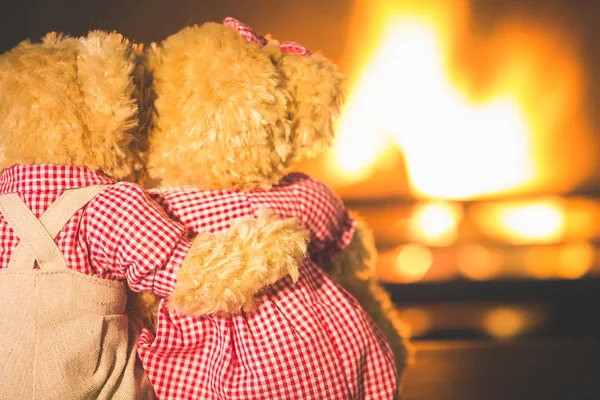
x,y
466,151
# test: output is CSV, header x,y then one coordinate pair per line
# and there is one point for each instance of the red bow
x,y
250,35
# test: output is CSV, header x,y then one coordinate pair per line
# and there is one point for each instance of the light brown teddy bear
x,y
74,235
229,113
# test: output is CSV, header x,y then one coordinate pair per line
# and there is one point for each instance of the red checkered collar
x,y
46,177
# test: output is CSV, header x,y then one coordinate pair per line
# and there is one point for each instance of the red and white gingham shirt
x,y
308,340
121,234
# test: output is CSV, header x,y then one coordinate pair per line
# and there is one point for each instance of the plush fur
x,y
239,92
142,309
74,96
316,91
230,114
145,97
273,106
223,273
72,101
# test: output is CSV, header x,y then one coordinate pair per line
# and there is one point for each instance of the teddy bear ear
x,y
105,66
54,37
316,90
68,101
145,96
35,84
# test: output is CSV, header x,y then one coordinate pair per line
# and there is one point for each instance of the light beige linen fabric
x,y
63,335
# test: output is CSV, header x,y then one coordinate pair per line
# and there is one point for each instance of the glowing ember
x,y
435,223
575,260
505,322
418,320
413,261
478,263
533,222
570,261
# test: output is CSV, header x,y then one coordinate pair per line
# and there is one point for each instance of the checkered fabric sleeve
x,y
324,215
130,236
203,210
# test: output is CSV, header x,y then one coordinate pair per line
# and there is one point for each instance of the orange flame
x,y
523,222
474,114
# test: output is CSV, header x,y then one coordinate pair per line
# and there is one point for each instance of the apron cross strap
x,y
36,237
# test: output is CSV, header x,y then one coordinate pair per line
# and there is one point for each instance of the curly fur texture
x,y
221,108
69,101
145,95
223,273
241,114
316,90
353,269
142,309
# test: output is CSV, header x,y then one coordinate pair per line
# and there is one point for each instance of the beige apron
x,y
63,334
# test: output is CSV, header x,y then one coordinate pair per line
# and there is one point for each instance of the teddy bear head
x,y
70,101
234,110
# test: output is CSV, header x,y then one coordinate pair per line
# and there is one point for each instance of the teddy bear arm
x,y
223,273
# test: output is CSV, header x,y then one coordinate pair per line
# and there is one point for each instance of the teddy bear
x,y
76,233
228,113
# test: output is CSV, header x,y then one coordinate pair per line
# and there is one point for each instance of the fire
x,y
435,224
472,114
537,221
540,221
505,322
479,263
405,92
413,261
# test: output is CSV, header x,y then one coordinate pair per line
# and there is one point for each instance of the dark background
x,y
317,24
